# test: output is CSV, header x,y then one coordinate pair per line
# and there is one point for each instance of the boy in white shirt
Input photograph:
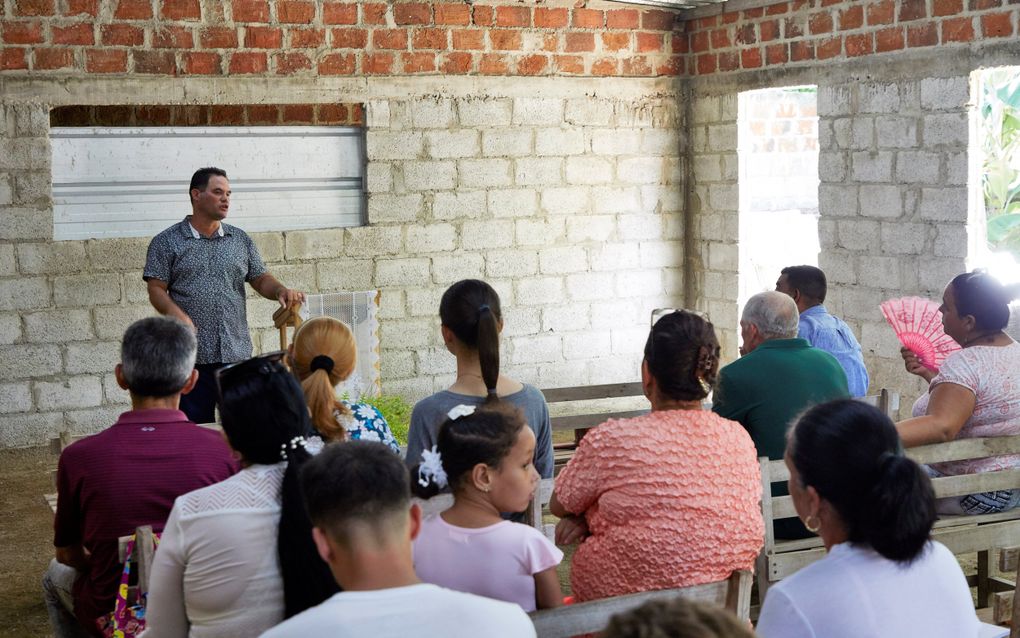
x,y
359,501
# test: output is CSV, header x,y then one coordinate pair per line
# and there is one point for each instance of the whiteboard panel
x,y
133,182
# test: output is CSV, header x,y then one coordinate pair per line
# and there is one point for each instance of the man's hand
x,y
160,299
571,529
288,297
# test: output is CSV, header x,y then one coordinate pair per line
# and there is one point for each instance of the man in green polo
x,y
778,377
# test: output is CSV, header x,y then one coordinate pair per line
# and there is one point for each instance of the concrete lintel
x,y
725,7
60,91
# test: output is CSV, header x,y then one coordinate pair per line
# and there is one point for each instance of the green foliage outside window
x,y
1000,123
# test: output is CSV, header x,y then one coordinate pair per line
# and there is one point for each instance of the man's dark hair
x,y
157,356
809,280
354,481
200,180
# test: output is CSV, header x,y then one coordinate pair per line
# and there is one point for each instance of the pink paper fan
x,y
918,325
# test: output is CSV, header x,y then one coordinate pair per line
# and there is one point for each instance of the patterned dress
x,y
365,423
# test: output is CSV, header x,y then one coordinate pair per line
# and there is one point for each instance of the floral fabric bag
x,y
125,621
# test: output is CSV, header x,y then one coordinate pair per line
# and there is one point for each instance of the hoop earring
x,y
817,526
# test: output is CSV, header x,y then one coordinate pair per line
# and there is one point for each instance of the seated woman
x,y
322,356
215,573
874,509
670,499
976,393
471,323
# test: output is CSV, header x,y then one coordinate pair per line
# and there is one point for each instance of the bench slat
x,y
592,392
965,449
583,421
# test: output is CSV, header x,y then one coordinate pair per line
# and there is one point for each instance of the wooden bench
x,y
961,534
581,408
733,593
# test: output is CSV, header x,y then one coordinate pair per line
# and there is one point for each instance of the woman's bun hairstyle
x,y
470,309
850,453
981,296
681,349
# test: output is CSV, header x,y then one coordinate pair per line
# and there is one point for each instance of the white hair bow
x,y
458,411
431,469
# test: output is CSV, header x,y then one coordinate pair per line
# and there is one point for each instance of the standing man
x,y
196,271
806,284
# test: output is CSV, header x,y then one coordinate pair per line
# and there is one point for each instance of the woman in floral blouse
x,y
323,356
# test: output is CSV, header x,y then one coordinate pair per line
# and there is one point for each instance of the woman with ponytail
x,y
976,393
874,509
471,322
323,356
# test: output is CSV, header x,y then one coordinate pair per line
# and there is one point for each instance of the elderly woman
x,y
976,393
874,509
215,573
670,499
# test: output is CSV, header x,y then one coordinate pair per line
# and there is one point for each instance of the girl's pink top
x,y
671,499
992,373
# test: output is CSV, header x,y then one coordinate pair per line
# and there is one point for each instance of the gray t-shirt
x,y
430,412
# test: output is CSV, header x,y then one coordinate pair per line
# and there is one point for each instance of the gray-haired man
x,y
129,474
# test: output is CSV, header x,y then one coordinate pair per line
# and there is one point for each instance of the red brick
x,y
890,39
294,12
154,62
82,7
635,66
579,41
262,114
801,50
753,13
133,10
655,20
218,38
705,24
181,10
47,59
189,115
455,63
80,34
777,54
429,39
339,13
483,16
700,42
649,42
830,48
729,61
777,9
793,27
820,23
946,7
706,64
459,14
493,64
201,63
913,10
298,113
532,65
996,25
827,3
604,67
332,114
513,16
981,5
21,32
730,17
106,61
957,30
615,41
153,115
172,37
263,37
373,13
121,35
588,19
468,39
357,115
377,64
923,35
720,39
851,18
389,39
551,43
619,18
338,64
291,62
505,40
746,34
860,44
769,30
227,115
412,13
350,38
568,64
247,62
13,59
251,11
883,12
418,61
33,7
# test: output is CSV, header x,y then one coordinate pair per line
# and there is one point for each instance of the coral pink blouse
x,y
671,499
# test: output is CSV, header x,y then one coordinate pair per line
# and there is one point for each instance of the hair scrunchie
x,y
321,362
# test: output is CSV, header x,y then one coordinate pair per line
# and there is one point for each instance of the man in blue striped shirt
x,y
807,286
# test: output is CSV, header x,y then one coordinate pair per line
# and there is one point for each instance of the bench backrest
x,y
734,594
579,416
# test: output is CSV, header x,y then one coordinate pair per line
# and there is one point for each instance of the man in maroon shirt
x,y
129,474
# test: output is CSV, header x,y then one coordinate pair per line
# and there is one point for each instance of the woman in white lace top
x,y
216,572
